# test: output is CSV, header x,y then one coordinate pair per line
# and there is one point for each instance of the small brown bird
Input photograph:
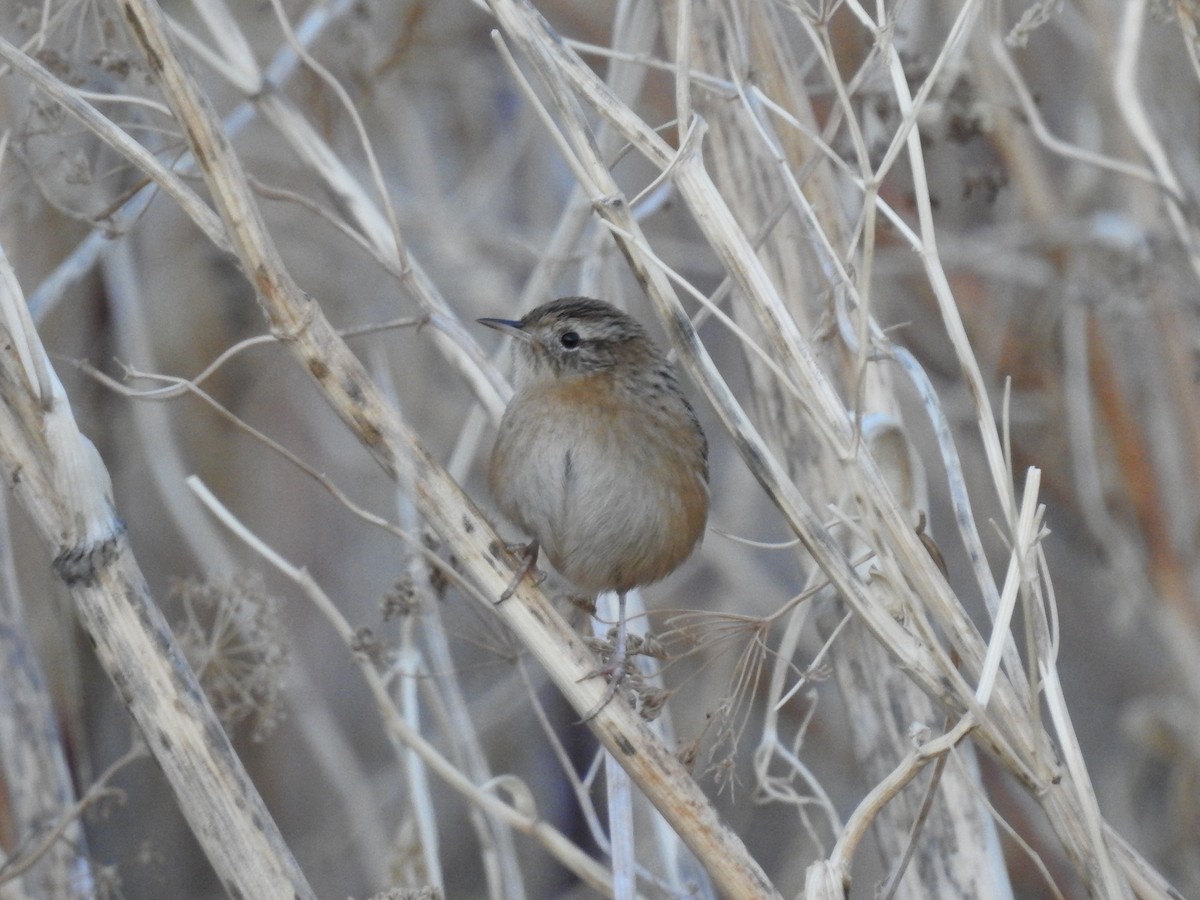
x,y
599,458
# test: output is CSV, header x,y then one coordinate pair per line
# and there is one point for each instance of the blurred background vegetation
x,y
1062,155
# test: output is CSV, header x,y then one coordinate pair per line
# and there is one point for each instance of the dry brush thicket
x,y
931,272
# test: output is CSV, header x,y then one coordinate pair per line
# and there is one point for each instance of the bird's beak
x,y
511,327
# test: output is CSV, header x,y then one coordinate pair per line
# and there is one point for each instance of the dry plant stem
x,y
1082,789
969,366
80,261
343,96
580,787
183,386
1019,841
954,851
1109,882
378,228
622,850
326,744
587,808
346,386
1129,102
60,481
152,422
68,822
958,853
399,730
620,828
410,668
1073,812
1026,535
97,122
336,763
1033,116
771,745
450,335
888,891
498,851
1041,194
33,766
956,482
886,790
907,135
1072,807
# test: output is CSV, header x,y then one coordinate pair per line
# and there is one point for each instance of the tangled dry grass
x,y
931,271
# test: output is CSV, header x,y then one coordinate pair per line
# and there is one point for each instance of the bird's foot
x,y
616,667
615,670
527,555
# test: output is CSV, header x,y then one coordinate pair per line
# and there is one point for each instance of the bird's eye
x,y
569,339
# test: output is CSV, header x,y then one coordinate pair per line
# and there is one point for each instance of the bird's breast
x,y
614,490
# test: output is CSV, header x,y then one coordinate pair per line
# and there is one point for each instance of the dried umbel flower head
x,y
231,634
